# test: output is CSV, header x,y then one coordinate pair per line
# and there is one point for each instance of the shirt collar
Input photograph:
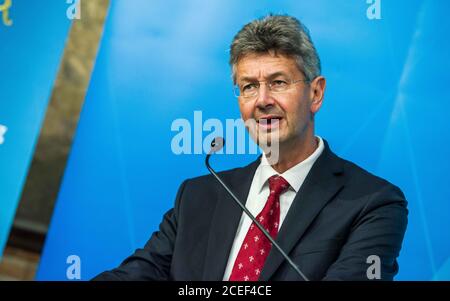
x,y
294,175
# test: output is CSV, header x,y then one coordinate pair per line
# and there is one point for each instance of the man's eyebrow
x,y
271,76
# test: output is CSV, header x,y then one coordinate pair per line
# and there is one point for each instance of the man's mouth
x,y
269,122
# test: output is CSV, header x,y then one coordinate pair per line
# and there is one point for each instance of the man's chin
x,y
269,138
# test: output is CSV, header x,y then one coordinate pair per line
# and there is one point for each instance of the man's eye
x,y
249,87
279,83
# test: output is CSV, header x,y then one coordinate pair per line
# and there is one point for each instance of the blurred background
x,y
90,94
78,49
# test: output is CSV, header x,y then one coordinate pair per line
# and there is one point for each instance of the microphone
x,y
217,145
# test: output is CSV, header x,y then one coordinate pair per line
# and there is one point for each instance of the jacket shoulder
x,y
359,179
228,174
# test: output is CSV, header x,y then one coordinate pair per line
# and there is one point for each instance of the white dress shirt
x,y
259,192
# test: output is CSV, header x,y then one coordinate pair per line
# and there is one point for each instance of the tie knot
x,y
277,185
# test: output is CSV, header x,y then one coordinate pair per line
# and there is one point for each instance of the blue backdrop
x,y
386,108
30,52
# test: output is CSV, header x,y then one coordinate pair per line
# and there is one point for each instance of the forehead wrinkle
x,y
270,70
270,76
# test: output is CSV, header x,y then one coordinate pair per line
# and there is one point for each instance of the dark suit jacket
x,y
341,215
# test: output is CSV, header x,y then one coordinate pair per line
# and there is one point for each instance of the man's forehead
x,y
265,65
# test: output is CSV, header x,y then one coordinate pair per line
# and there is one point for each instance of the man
x,y
330,216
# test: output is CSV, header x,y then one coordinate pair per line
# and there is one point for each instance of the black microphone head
x,y
217,144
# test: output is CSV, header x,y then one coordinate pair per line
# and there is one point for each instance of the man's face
x,y
286,114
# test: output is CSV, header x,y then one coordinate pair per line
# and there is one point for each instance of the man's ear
x,y
317,93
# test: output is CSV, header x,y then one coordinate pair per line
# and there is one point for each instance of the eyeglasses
x,y
251,90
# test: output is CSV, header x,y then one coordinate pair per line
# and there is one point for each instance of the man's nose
x,y
264,98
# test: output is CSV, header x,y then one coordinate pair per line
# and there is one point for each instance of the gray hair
x,y
280,33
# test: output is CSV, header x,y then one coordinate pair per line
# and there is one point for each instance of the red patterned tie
x,y
255,247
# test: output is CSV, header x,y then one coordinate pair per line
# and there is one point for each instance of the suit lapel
x,y
321,184
226,219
